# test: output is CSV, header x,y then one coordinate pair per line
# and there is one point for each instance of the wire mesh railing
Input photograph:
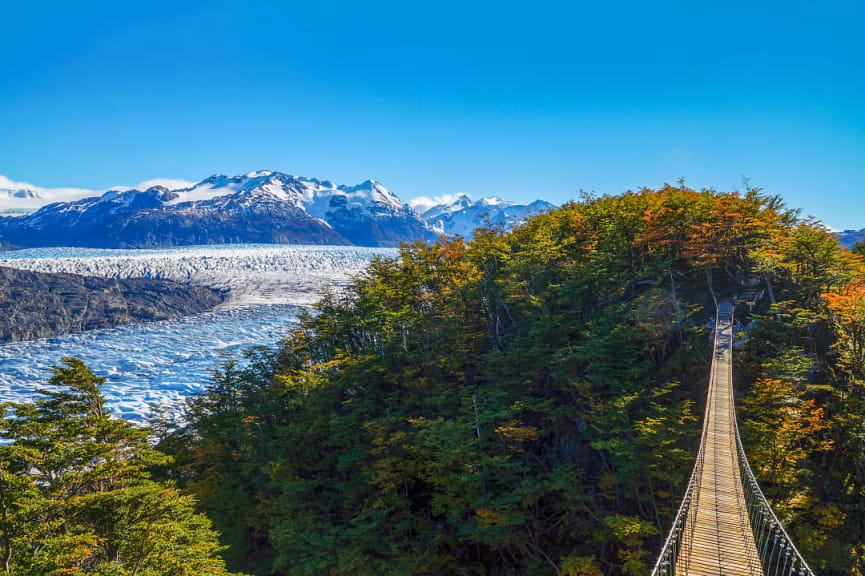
x,y
669,556
778,555
774,548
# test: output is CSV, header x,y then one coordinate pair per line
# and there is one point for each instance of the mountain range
x,y
461,215
849,238
264,206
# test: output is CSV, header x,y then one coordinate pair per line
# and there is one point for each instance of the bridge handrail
x,y
672,545
755,497
757,503
764,524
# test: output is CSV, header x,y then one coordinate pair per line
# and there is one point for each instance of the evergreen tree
x,y
76,497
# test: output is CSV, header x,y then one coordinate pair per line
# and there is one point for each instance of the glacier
x,y
161,363
250,273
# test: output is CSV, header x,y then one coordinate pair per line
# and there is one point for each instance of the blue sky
x,y
522,100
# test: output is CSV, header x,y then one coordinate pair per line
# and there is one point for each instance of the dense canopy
x,y
528,402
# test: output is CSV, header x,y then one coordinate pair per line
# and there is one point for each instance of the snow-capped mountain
x,y
849,238
20,197
265,206
460,214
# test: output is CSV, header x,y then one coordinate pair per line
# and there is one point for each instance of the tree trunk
x,y
676,304
477,421
709,284
655,506
771,295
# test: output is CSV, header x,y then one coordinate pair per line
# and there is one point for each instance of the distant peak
x,y
260,174
215,178
493,201
167,183
369,184
541,205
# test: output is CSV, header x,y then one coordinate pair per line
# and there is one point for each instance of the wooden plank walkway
x,y
718,540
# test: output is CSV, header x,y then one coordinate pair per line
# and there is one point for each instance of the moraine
x,y
163,362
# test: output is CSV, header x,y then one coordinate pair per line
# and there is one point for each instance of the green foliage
x,y
76,497
859,248
527,403
803,412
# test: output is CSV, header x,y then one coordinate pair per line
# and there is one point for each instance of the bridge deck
x,y
718,540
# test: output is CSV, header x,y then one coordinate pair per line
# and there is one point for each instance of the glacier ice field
x,y
161,363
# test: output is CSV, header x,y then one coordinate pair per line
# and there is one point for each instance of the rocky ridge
x,y
43,305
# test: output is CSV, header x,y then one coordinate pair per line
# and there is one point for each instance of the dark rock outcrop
x,y
40,305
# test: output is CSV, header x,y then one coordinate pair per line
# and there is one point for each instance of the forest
x,y
527,403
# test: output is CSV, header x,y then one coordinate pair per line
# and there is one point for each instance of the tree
x,y
524,403
76,496
847,308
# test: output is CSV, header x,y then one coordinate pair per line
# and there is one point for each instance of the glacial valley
x,y
162,362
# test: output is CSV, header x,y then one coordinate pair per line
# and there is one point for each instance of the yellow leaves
x,y
857,557
629,529
847,310
704,229
513,431
631,532
487,517
848,304
822,519
784,429
828,515
580,566
815,420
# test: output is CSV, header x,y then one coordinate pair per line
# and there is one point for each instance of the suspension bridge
x,y
725,526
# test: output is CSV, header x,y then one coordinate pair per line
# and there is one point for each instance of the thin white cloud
x,y
170,183
24,197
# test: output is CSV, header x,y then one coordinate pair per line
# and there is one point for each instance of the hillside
x,y
525,403
529,402
42,305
